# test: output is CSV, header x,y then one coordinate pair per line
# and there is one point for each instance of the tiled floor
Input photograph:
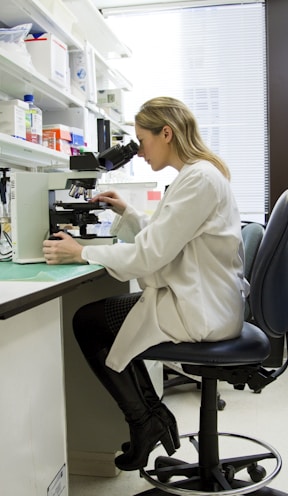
x,y
264,416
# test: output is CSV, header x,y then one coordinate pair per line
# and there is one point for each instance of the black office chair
x,y
234,361
252,234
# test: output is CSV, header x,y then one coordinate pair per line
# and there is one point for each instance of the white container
x,y
49,56
83,72
113,99
12,118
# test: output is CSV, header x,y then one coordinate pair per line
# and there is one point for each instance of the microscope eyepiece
x,y
118,155
110,159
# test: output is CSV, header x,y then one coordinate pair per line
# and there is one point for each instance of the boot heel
x,y
167,442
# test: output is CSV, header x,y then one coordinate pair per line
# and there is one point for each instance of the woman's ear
x,y
168,133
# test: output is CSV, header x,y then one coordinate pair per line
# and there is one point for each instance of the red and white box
x,y
49,56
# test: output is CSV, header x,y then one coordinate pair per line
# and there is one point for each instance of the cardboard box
x,y
49,139
63,146
61,131
49,56
12,118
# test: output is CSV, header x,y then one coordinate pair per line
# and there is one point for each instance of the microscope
x,y
36,214
80,214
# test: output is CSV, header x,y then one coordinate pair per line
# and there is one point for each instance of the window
x,y
213,58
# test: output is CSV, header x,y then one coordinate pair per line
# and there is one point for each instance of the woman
x,y
187,259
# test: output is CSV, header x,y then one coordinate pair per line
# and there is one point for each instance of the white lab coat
x,y
186,258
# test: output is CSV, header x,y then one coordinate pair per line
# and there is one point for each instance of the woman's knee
x,y
90,327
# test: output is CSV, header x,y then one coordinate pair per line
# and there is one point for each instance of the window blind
x,y
213,58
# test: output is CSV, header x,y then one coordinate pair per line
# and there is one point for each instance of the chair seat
x,y
251,347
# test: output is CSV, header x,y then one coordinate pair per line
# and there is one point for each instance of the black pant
x,y
97,324
95,327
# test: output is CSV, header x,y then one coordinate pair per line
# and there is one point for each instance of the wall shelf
x,y
96,29
18,153
110,73
17,79
75,22
37,12
80,21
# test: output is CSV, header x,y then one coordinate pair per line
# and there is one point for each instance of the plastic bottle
x,y
33,121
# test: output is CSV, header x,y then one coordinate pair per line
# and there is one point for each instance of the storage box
x,y
83,72
62,137
12,118
77,137
113,99
49,56
61,131
63,146
49,139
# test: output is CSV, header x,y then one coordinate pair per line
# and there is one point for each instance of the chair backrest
x,y
252,234
269,279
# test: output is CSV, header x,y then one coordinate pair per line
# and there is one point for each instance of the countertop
x,y
28,285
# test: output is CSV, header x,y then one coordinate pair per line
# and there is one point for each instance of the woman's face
x,y
155,149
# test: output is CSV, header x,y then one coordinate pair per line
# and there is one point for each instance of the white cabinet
x,y
75,22
33,417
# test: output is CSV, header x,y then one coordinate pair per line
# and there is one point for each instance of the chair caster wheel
x,y
256,472
239,387
257,391
229,473
221,404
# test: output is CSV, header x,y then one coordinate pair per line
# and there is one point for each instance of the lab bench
x,y
56,418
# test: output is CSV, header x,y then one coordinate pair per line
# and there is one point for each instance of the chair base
x,y
219,480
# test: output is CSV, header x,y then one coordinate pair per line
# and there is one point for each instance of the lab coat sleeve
x,y
126,227
183,213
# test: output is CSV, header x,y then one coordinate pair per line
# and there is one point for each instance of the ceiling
x,y
101,4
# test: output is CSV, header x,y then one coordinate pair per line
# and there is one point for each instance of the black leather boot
x,y
146,428
153,401
144,438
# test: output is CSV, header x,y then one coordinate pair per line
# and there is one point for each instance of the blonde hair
x,y
189,146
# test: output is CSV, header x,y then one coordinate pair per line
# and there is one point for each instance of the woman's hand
x,y
113,200
63,251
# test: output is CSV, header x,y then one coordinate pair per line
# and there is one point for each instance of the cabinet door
x,y
33,417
